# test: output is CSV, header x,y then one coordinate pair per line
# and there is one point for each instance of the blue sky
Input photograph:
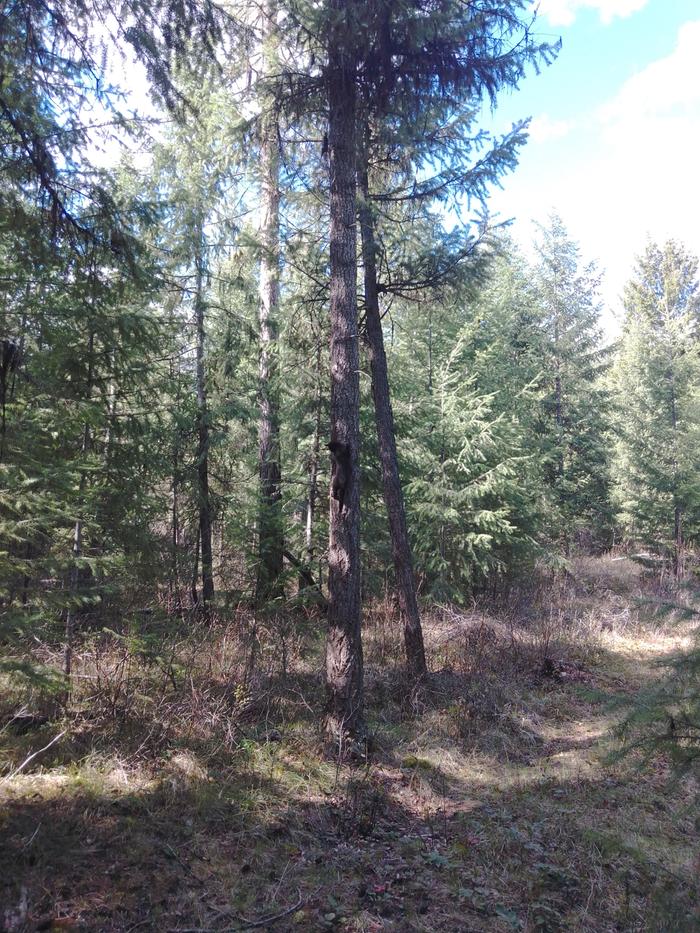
x,y
615,137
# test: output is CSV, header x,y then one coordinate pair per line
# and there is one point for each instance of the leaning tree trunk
x,y
271,536
344,693
384,417
202,430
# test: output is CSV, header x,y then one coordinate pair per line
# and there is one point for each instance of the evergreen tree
x,y
271,538
471,54
657,382
191,171
80,461
575,406
79,434
465,407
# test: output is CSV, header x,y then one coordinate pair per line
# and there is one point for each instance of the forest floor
x,y
184,796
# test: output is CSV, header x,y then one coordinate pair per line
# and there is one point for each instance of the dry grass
x,y
189,792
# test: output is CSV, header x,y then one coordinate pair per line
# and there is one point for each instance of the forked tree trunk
x,y
202,428
271,536
384,417
344,690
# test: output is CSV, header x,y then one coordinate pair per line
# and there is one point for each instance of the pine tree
x,y
271,534
574,413
466,52
464,412
657,381
344,662
77,335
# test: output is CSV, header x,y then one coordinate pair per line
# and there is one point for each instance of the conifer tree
x,y
575,406
271,536
470,54
418,55
191,170
75,339
344,662
657,383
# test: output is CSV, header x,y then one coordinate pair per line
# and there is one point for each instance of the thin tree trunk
x,y
175,541
77,551
430,351
386,436
677,509
195,570
202,427
678,542
271,538
344,667
313,467
77,548
176,597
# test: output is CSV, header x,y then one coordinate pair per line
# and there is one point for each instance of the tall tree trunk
x,y
677,508
77,547
677,541
344,668
271,537
175,536
195,570
313,466
202,427
11,355
384,417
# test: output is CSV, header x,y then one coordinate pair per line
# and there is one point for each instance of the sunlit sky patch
x,y
615,135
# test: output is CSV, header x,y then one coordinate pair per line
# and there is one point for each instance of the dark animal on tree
x,y
340,471
9,361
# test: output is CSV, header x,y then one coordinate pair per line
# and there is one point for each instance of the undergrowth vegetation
x,y
182,786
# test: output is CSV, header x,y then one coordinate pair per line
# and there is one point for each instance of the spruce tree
x,y
657,383
574,413
271,532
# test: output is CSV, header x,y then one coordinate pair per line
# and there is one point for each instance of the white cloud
x,y
666,85
628,171
544,128
563,12
645,180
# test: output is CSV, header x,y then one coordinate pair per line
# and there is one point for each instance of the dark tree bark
x,y
344,669
202,429
384,417
195,570
271,536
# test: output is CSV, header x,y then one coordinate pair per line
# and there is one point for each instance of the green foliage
x,y
459,498
464,457
657,383
101,444
574,417
665,720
